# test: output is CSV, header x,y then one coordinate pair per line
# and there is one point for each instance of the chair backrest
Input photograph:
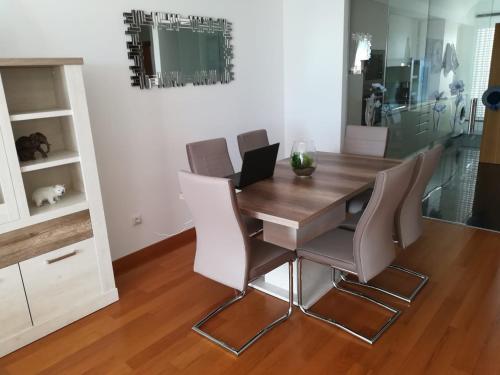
x,y
373,245
221,240
252,140
366,140
210,158
408,221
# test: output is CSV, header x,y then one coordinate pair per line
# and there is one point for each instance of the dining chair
x,y
366,252
224,251
211,158
408,219
251,140
366,141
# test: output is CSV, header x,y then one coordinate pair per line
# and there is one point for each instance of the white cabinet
x,y
8,204
14,312
61,280
61,250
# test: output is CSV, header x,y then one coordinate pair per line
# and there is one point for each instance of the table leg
x,y
317,279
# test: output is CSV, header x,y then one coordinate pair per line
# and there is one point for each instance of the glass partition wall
x,y
416,67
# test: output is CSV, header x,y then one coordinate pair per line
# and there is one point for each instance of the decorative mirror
x,y
169,50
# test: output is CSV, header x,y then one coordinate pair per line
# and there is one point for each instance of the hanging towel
x,y
450,59
407,50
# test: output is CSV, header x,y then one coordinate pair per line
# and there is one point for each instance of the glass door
x,y
461,190
420,68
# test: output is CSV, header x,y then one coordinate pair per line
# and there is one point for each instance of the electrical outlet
x,y
137,219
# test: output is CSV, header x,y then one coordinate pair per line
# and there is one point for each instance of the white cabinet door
x,y
61,280
8,204
14,312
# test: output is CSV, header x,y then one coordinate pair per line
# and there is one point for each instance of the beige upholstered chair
x,y
211,158
409,221
369,250
224,251
252,140
408,218
367,141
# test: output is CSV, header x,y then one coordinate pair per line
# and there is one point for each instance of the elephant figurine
x,y
28,146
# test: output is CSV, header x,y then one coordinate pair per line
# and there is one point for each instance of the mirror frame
x,y
135,19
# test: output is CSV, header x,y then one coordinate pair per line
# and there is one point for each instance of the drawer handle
x,y
62,257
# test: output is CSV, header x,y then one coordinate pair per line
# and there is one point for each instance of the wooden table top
x,y
293,201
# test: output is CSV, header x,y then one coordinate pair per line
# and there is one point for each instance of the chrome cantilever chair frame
x,y
262,332
309,312
408,299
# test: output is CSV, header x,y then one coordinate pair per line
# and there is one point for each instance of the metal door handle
x,y
472,116
62,257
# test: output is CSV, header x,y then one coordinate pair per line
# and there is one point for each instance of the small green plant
x,y
301,160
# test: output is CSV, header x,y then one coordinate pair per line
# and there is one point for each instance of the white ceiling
x,y
463,11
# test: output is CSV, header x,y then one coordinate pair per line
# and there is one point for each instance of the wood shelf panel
x,y
50,113
38,239
54,159
72,201
41,61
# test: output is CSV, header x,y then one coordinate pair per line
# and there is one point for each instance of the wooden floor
x,y
452,328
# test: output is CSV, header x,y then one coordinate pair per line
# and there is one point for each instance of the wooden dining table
x,y
296,209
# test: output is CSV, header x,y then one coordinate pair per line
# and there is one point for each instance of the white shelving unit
x,y
53,160
48,96
40,114
8,205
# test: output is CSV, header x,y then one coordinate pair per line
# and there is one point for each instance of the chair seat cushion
x,y
265,257
333,248
351,222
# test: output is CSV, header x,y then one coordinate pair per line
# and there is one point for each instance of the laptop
x,y
257,165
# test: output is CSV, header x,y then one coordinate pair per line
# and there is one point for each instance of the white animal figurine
x,y
50,194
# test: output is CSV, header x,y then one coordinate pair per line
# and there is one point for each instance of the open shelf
x,y
48,113
34,89
60,133
69,175
72,201
54,159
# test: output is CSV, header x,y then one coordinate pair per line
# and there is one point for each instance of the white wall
x,y
140,136
315,56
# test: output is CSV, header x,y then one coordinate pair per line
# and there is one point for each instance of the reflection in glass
x,y
420,50
363,51
436,61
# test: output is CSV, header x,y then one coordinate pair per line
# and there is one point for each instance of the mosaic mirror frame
x,y
209,40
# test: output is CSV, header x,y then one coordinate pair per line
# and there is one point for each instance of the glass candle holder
x,y
303,158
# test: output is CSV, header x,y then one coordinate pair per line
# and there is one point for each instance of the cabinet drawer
x,y
61,280
14,312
